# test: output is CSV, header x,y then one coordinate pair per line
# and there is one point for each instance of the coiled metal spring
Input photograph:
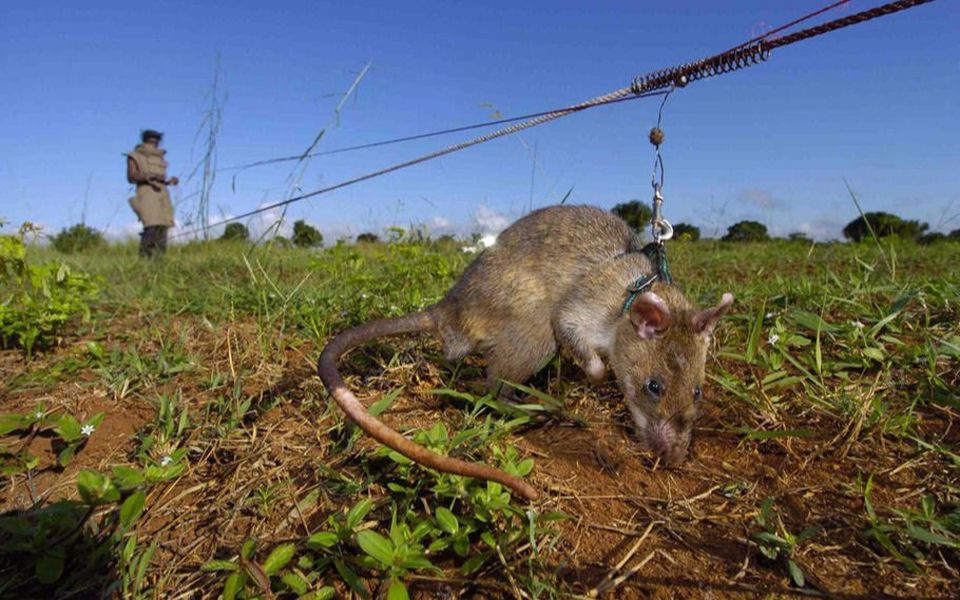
x,y
732,60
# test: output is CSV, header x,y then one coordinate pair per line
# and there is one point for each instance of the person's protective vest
x,y
152,202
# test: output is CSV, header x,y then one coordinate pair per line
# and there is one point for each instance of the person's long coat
x,y
152,201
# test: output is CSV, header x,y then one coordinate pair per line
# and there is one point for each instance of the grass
x,y
826,456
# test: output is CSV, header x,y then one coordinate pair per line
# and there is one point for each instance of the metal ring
x,y
662,230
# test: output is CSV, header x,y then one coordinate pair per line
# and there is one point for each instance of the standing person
x,y
147,168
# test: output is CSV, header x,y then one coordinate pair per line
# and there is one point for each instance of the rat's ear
x,y
705,320
649,315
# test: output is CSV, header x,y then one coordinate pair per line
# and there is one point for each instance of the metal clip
x,y
662,231
660,228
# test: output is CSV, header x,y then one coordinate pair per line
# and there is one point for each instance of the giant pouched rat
x,y
558,277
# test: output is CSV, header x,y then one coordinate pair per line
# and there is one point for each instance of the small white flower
x,y
87,430
768,316
773,339
857,324
363,295
166,460
39,414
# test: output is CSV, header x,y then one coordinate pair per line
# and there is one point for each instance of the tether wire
x,y
741,56
409,138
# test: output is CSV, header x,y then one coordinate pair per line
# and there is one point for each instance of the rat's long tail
x,y
327,369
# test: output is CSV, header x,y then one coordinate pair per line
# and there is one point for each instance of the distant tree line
x,y
638,214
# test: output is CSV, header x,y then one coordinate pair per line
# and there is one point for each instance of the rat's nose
x,y
664,442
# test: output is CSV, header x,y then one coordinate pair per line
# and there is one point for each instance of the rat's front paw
x,y
595,368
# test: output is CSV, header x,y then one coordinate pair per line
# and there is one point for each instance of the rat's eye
x,y
696,393
654,387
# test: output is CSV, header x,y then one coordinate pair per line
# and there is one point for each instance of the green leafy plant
x,y
247,578
910,534
126,370
160,448
38,300
59,549
397,555
777,543
69,434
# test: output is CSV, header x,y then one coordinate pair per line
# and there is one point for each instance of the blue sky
x,y
876,103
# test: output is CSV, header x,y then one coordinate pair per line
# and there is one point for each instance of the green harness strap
x,y
657,254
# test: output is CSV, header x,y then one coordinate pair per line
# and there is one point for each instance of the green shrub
x,y
37,301
306,236
686,232
746,231
78,238
883,225
933,237
637,214
236,232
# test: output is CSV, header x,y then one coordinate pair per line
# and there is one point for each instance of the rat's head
x,y
659,357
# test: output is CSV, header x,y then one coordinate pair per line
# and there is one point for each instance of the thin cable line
x,y
408,138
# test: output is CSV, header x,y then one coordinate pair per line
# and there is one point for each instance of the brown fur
x,y
557,277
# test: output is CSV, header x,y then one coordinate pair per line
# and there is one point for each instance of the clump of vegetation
x,y
38,300
883,225
686,232
305,235
79,238
746,231
235,232
637,214
369,238
936,237
777,543
69,435
472,520
910,535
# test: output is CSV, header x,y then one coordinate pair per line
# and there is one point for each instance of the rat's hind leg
x,y
516,354
456,344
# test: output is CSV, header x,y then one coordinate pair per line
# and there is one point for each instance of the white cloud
x,y
488,220
821,229
270,223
